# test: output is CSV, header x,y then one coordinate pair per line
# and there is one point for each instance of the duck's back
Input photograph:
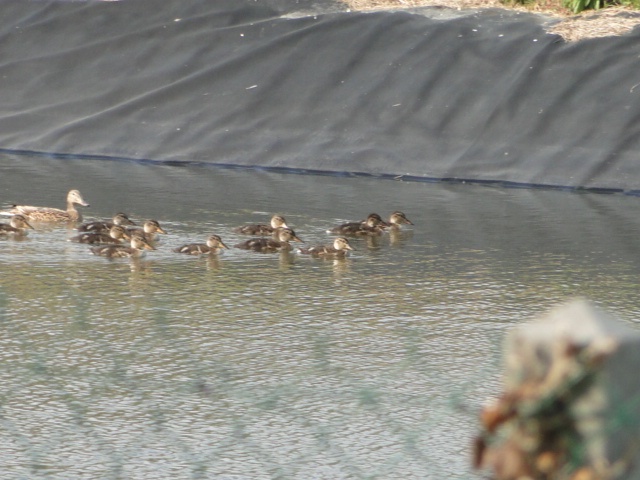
x,y
254,230
94,238
194,249
262,245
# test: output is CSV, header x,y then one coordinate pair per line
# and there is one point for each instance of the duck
x,y
48,214
104,226
115,236
339,248
279,242
213,246
17,226
398,218
277,221
372,226
148,230
136,249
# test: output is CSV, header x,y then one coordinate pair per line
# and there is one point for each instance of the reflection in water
x,y
250,365
398,237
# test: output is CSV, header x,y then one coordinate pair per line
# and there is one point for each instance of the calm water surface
x,y
269,366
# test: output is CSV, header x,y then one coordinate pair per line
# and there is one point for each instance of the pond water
x,y
269,366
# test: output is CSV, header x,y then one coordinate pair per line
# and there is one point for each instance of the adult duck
x,y
136,249
339,248
116,235
49,214
104,226
278,243
372,226
214,246
277,221
17,226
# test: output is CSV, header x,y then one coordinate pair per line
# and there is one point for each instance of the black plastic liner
x,y
484,96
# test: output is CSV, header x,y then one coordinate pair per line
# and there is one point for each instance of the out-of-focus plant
x,y
577,6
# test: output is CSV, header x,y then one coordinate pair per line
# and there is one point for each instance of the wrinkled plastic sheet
x,y
484,96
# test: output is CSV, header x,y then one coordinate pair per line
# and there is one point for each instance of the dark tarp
x,y
482,96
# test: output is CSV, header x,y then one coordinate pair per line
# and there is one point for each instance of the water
x,y
268,366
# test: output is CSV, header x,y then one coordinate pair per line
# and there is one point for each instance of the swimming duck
x,y
148,230
214,245
17,226
279,242
47,214
398,218
116,234
277,221
339,248
104,227
373,225
136,249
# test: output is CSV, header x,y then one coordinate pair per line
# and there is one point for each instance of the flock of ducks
x,y
110,235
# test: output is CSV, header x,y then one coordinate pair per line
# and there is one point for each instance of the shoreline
x,y
611,21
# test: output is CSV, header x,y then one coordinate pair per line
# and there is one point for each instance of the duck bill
x,y
223,246
148,247
296,239
160,230
80,201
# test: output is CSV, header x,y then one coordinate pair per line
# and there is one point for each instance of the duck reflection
x,y
398,237
287,259
213,262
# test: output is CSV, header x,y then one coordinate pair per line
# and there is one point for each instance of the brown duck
x,y
339,248
214,245
48,214
398,218
17,226
277,221
372,226
136,249
116,235
105,226
278,243
148,230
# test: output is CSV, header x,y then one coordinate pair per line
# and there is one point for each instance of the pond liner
x,y
485,97
300,171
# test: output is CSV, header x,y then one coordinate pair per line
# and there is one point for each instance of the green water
x,y
269,366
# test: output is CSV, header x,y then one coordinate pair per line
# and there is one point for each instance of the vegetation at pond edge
x,y
573,20
577,6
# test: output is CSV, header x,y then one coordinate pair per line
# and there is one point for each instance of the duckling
x,y
138,244
339,248
17,226
279,242
213,246
104,227
277,221
115,236
373,225
397,218
48,214
148,230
